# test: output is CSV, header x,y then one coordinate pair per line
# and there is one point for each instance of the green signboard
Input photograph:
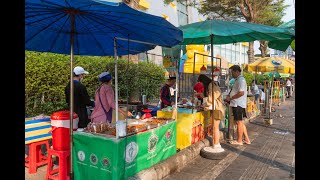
x,y
98,157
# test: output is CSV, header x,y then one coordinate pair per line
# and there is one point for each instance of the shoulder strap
x,y
101,102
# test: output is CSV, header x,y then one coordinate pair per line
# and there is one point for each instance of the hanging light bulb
x,y
203,70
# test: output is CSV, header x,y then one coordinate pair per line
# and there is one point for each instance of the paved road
x,y
270,155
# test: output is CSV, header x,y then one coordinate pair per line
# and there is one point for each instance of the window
x,y
228,55
182,14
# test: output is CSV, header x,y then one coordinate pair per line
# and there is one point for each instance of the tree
x,y
248,10
271,16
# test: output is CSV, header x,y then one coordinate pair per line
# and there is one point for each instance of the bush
x,y
249,77
260,78
47,74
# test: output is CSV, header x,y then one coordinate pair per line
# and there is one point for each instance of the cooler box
x,y
60,122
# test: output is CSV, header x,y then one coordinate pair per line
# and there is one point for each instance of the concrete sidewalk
x,y
270,155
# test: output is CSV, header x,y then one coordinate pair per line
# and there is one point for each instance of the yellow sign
x,y
186,124
199,60
166,62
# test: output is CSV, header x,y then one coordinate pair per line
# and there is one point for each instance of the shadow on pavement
x,y
271,127
258,158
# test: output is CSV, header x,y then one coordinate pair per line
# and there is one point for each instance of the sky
x,y
290,14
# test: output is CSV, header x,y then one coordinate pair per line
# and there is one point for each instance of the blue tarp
x,y
48,28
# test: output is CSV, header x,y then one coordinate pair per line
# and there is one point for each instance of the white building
x,y
179,14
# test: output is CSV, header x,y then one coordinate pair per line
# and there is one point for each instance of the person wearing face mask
x,y
216,73
81,97
214,102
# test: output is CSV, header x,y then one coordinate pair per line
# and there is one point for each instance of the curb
x,y
172,164
177,161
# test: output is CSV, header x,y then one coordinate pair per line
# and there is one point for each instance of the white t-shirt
x,y
262,95
288,83
239,85
256,89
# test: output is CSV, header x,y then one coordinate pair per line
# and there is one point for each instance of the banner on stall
x,y
98,157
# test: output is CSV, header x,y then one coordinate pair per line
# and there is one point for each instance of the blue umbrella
x,y
93,27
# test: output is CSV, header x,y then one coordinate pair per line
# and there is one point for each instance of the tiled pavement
x,y
270,156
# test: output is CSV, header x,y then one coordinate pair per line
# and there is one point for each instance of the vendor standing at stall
x,y
165,96
81,97
105,103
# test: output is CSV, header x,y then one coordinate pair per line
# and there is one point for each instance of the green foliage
x,y
47,74
260,78
249,77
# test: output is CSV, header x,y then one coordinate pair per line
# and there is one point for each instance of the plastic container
x,y
60,122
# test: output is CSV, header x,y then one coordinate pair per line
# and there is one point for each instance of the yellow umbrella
x,y
271,64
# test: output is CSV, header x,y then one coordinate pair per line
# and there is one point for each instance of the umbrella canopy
x,y
289,24
93,27
49,23
271,64
272,74
284,75
225,32
283,44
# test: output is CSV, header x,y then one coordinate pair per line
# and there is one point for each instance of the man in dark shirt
x,y
165,96
81,97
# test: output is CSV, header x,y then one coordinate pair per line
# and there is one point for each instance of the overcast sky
x,y
290,14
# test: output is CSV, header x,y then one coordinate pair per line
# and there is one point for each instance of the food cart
x,y
107,157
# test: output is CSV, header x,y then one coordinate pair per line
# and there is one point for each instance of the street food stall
x,y
98,152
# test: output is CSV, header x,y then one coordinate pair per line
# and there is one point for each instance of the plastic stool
x,y
64,165
35,157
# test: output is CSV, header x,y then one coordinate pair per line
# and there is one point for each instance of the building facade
x,y
180,14
289,53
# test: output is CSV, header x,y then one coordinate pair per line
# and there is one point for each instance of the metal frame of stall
x,y
116,75
189,84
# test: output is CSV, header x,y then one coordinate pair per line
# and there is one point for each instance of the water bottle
x,y
138,115
144,99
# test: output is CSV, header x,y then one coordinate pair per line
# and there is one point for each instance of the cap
x,y
216,71
79,70
105,76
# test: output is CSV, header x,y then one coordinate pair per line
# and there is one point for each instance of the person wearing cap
x,y
238,101
81,96
165,95
105,102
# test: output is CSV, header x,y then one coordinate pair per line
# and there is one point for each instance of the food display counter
x,y
103,156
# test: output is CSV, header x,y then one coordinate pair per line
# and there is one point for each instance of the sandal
x,y
246,142
235,143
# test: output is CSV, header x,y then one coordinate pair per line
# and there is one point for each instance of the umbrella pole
x,y
212,94
116,82
193,78
71,96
